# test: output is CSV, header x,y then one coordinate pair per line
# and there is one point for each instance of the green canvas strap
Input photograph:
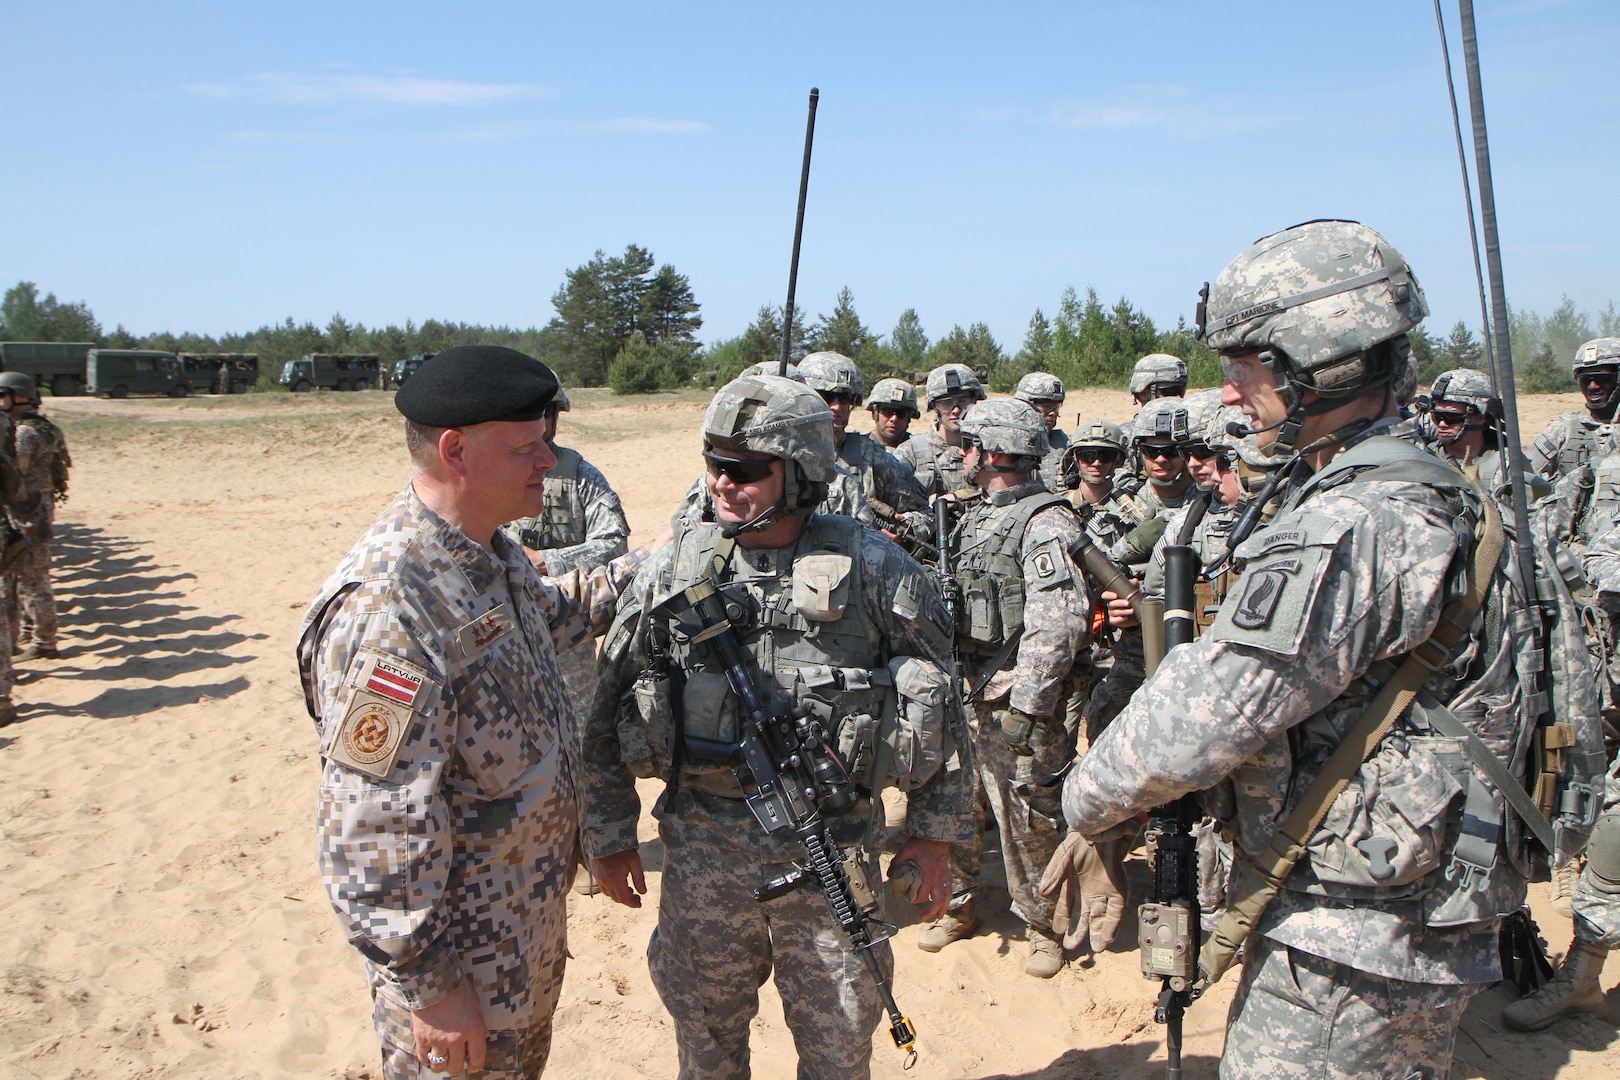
x,y
1260,878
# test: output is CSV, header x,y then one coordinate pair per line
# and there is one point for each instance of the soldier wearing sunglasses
x,y
1583,436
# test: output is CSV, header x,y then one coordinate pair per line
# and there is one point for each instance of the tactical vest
x,y
61,462
804,625
990,568
1600,509
562,516
1417,821
1583,444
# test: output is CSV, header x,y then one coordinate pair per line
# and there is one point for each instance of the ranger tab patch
x,y
483,631
372,732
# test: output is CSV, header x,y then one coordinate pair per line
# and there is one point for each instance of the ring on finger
x,y
434,1058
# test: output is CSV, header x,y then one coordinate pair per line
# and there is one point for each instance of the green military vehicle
x,y
408,367
119,373
220,373
333,371
57,366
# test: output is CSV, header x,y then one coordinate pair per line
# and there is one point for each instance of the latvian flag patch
x,y
399,682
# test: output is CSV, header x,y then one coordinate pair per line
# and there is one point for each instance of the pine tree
x,y
842,331
909,341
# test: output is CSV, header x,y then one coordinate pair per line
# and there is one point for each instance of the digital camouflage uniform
x,y
936,463
1010,578
448,809
1577,438
28,580
12,490
898,395
1362,963
839,621
581,526
868,472
1014,573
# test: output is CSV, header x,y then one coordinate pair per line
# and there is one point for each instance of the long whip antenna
x,y
798,234
1468,198
1506,387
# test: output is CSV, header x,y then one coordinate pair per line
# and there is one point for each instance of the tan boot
x,y
1045,955
951,926
1573,991
1562,886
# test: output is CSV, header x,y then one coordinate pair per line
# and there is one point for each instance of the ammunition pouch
x,y
912,722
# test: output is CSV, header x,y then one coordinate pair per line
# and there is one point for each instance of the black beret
x,y
473,384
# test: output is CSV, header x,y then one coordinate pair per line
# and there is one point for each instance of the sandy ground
x,y
160,912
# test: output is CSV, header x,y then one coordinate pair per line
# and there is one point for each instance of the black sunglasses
x,y
838,398
1201,452
1600,378
1449,416
1092,457
738,470
1157,452
971,442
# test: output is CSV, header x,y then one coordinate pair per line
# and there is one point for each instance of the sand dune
x,y
160,912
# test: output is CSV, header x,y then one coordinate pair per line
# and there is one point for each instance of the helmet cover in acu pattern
x,y
1597,353
1466,386
832,373
953,379
1218,436
1007,427
896,394
1039,386
1200,407
1164,418
771,367
1102,434
1318,297
1156,368
772,415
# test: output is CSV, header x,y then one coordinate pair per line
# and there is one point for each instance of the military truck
x,y
220,373
57,366
119,373
333,371
408,367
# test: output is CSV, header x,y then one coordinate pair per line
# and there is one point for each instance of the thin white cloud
x,y
323,90
1170,109
644,125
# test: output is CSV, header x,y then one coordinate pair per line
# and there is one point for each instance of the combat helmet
x,y
1007,426
896,394
1603,352
20,385
832,373
1326,304
772,415
1201,406
1164,418
1039,386
1467,386
1218,435
560,402
1159,369
950,379
1102,434
771,367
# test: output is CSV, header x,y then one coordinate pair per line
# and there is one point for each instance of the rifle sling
x,y
1259,878
1446,723
996,661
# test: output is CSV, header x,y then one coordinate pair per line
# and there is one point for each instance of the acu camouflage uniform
x,y
868,472
42,458
840,620
1014,571
1578,438
581,526
936,463
448,820
12,490
1353,574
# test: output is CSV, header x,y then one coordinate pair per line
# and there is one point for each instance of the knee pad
x,y
1603,850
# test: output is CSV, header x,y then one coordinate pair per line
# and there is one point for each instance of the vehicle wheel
x,y
120,391
179,390
239,387
64,386
301,387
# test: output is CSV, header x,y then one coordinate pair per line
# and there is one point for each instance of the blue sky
x,y
217,166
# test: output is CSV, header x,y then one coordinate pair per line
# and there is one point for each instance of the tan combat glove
x,y
1089,882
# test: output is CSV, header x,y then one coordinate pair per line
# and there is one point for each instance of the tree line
x,y
628,322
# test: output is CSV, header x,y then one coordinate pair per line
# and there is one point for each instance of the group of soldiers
x,y
34,464
1387,729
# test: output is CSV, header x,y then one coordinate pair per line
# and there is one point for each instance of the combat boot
x,y
1574,990
951,926
1045,955
37,651
1562,886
